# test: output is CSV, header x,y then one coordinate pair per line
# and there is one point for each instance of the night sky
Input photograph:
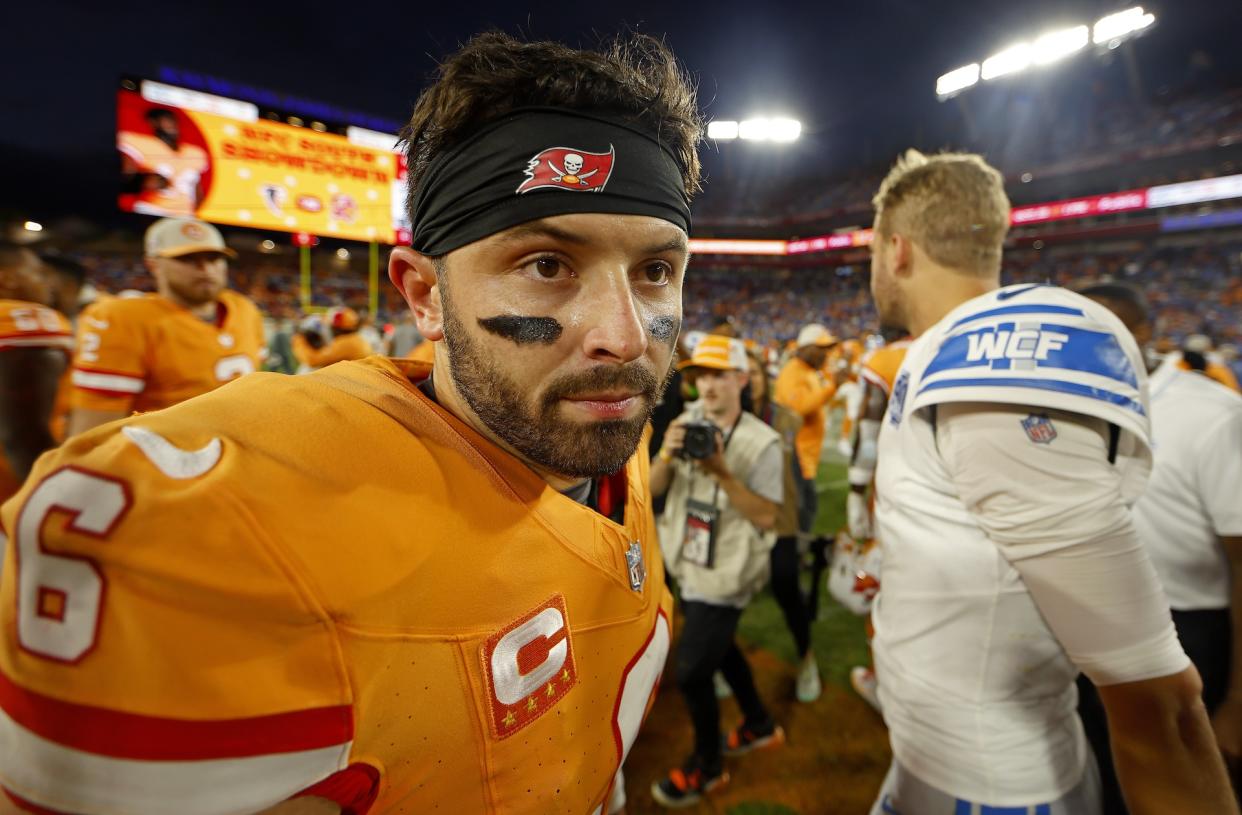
x,y
859,75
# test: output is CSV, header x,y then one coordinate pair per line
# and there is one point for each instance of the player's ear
x,y
902,253
414,275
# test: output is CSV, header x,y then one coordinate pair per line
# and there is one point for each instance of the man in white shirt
x,y
1190,518
1015,438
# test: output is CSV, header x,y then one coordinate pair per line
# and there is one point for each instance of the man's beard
x,y
587,449
192,294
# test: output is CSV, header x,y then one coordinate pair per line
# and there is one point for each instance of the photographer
x,y
723,472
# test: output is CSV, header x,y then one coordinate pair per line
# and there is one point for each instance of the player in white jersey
x,y
1015,437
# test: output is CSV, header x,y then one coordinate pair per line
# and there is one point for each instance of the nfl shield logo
x,y
638,569
1039,429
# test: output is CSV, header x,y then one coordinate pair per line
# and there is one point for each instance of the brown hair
x,y
636,79
953,205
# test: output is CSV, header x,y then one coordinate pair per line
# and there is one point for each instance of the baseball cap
x,y
816,334
719,353
174,237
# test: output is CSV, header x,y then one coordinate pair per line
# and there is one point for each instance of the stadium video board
x,y
191,154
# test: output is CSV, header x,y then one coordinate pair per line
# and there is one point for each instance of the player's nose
x,y
615,332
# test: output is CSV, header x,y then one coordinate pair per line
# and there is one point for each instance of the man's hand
x,y
1227,725
674,440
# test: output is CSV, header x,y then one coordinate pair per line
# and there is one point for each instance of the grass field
x,y
837,752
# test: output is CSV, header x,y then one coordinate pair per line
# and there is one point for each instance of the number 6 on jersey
x,y
60,597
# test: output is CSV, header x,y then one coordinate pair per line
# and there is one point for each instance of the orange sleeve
x,y
110,365
800,394
155,645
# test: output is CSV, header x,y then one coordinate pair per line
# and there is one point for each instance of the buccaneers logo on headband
x,y
566,168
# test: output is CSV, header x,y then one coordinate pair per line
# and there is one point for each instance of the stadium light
x,y
32,226
1116,27
753,129
958,80
775,130
1057,45
722,130
784,130
1013,59
342,254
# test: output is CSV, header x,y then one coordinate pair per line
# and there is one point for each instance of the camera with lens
x,y
700,441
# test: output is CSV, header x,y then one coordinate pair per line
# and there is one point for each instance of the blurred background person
x,y
723,472
878,374
404,337
345,342
786,558
803,387
155,350
35,344
1190,522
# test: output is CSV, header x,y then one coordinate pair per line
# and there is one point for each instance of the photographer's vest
x,y
739,561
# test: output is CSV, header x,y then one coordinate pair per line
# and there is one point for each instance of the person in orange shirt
x,y
878,374
155,350
375,588
1196,355
346,342
802,387
35,343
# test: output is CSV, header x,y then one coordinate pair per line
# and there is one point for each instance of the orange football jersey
x,y
29,325
880,367
146,353
342,348
211,608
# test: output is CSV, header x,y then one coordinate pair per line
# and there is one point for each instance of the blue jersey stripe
x,y
1079,349
1058,386
1019,309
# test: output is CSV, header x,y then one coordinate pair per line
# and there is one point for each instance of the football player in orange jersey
x,y
366,587
878,373
148,352
347,343
35,343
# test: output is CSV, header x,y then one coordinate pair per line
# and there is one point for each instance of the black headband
x,y
537,162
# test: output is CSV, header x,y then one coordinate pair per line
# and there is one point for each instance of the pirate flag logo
x,y
567,168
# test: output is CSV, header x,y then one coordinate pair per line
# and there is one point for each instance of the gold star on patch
x,y
509,719
551,691
530,703
565,675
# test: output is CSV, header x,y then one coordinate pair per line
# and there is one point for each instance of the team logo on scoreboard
x,y
344,208
567,168
529,666
310,203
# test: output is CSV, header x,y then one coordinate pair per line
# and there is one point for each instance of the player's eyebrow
x,y
675,244
541,230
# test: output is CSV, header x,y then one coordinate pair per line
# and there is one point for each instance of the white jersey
x,y
977,692
1192,499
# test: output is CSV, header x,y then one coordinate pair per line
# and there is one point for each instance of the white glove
x,y
858,516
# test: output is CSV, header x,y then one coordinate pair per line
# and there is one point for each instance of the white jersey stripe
x,y
113,383
35,769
